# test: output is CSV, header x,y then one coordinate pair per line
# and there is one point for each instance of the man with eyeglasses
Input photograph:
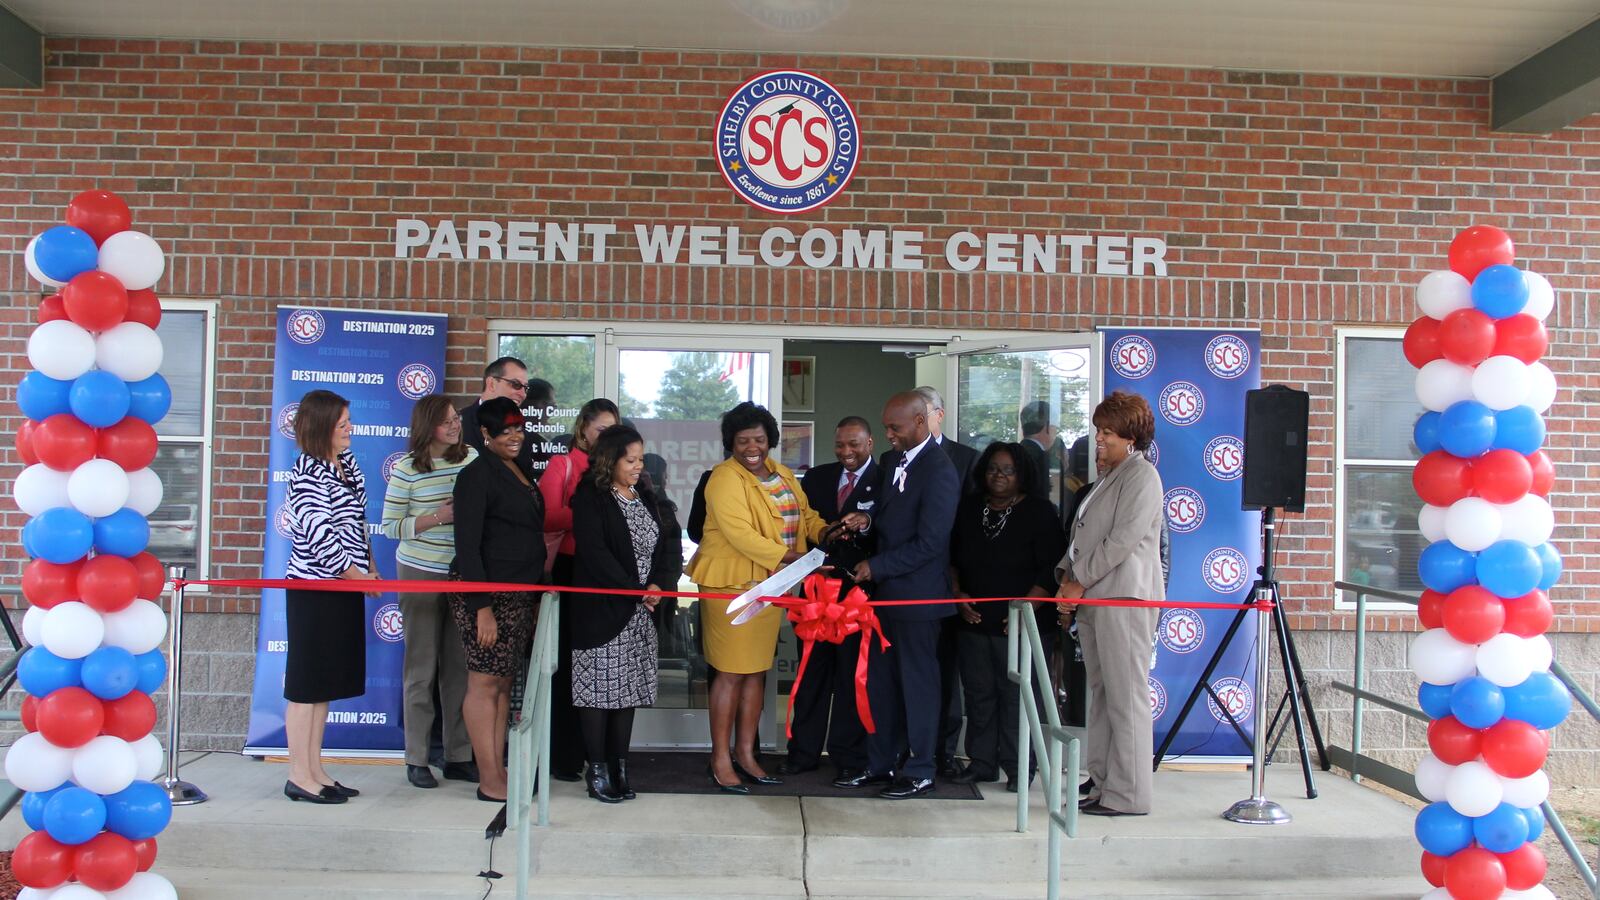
x,y
505,377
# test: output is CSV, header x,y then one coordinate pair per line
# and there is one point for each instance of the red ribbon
x,y
824,616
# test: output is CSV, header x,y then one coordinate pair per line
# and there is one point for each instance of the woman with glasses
x,y
419,512
1006,542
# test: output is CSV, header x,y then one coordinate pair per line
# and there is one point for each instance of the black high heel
x,y
488,799
711,773
325,796
599,779
619,780
755,779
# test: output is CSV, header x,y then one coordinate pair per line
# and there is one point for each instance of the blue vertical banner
x,y
1195,379
381,362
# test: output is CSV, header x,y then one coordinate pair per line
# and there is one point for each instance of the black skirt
x,y
327,654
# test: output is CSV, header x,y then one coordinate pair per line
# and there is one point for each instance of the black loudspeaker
x,y
1276,425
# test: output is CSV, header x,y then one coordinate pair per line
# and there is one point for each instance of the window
x,y
1378,538
180,528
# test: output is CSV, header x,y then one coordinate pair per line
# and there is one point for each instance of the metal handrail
x,y
1025,660
8,678
1359,693
529,775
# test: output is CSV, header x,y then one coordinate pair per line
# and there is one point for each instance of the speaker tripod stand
x,y
1296,695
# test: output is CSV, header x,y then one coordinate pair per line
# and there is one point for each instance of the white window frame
x,y
206,440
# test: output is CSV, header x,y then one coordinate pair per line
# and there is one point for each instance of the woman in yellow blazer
x,y
757,521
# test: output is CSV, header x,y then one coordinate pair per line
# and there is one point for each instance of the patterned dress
x,y
621,674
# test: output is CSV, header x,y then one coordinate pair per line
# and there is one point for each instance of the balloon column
x,y
1484,660
91,403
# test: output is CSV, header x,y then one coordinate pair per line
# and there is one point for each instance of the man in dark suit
x,y
825,708
912,520
505,377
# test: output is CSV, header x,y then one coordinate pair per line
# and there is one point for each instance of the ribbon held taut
x,y
825,616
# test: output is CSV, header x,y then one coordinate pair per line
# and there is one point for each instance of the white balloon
x,y
135,258
1438,658
74,891
1442,384
144,491
1443,292
145,886
61,350
1501,382
1503,660
138,628
1526,792
1431,522
1541,296
1529,520
1541,387
1472,524
32,621
72,630
29,893
151,759
32,265
98,488
39,487
1537,892
106,765
1539,651
131,351
1432,776
1473,789
35,764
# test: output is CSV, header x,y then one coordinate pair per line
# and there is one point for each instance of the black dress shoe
x,y
1011,782
421,776
788,768
845,773
863,778
1098,809
488,799
565,775
346,791
619,779
461,771
972,775
1086,788
948,768
736,788
906,788
327,795
754,779
1087,801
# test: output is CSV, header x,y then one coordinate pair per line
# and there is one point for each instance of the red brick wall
x,y
274,172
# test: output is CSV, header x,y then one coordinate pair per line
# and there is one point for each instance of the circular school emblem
x,y
286,419
389,624
1181,630
787,142
1158,697
1224,570
1237,699
1186,509
305,326
1182,403
1227,356
1224,457
416,381
1133,357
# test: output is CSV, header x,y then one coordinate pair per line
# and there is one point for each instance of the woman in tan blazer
x,y
1114,551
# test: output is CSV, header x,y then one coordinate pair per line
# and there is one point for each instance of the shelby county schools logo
x,y
1224,570
1227,356
1235,695
1152,453
787,142
1158,698
1185,510
417,381
1133,357
282,523
389,624
1224,457
286,420
1181,630
306,326
1182,403
390,462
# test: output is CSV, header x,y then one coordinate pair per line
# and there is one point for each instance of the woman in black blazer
x,y
622,542
499,537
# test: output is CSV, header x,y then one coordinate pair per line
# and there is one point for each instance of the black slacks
x,y
824,713
993,701
903,687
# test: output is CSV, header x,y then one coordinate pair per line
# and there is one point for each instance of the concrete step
x,y
1287,886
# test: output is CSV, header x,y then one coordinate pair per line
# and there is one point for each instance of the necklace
x,y
617,492
992,530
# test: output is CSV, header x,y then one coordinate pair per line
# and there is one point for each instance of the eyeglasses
x,y
1007,471
512,383
454,419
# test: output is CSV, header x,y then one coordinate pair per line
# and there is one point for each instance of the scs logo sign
x,y
389,624
1185,510
1153,453
1225,570
306,326
286,420
283,524
1224,457
787,142
390,462
1182,403
1133,357
1158,697
1227,356
1181,630
1237,700
417,381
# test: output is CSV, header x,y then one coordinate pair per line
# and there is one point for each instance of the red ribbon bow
x,y
824,616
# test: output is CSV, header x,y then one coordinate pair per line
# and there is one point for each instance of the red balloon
x,y
1433,868
1421,344
1442,479
95,300
52,309
1521,336
108,861
1525,867
152,576
1453,742
46,583
63,442
101,213
1478,248
144,307
41,862
1472,615
108,583
70,717
131,443
25,442
1475,874
146,851
1544,473
1430,609
130,716
1529,615
1466,336
1513,749
1501,476
30,712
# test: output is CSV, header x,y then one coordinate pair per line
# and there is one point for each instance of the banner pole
x,y
181,792
1258,810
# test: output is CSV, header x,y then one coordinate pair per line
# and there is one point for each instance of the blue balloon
x,y
1476,701
63,252
99,398
149,399
1441,830
41,396
1444,567
1501,830
40,672
34,803
139,811
1435,699
30,528
1508,568
1425,433
1499,291
152,668
1518,428
126,533
63,535
1467,429
1549,566
75,815
1535,819
111,672
1542,701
